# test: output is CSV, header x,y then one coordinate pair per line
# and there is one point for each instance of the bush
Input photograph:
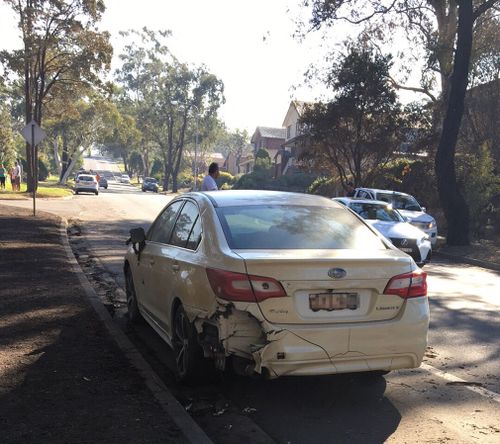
x,y
324,186
481,187
225,180
43,170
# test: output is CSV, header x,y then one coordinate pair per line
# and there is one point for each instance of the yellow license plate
x,y
333,301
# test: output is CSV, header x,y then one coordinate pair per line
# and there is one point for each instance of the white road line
x,y
474,388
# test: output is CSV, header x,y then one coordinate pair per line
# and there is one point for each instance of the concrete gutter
x,y
192,431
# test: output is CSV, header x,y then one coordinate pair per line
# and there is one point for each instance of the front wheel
x,y
191,365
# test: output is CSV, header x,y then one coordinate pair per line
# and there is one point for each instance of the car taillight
x,y
243,287
408,285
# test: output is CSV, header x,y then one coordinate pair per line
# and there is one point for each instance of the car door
x,y
173,269
149,264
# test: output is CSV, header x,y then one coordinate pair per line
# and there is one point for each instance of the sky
x,y
248,44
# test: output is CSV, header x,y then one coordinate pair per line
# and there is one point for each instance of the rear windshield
x,y
400,201
295,227
86,178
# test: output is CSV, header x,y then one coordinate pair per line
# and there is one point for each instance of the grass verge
x,y
47,189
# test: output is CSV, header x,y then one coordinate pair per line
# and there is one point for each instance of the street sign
x,y
33,134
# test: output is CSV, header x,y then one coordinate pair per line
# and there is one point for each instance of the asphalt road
x,y
454,397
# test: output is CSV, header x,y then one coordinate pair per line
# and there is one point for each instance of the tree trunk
x,y
65,157
57,160
453,203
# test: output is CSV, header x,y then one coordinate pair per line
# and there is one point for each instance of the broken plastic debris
x,y
249,410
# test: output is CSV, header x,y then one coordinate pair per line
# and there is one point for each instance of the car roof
x,y
86,175
363,201
231,198
377,190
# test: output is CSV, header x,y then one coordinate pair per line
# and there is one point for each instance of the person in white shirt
x,y
209,183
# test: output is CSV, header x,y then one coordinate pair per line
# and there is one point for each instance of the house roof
x,y
268,132
299,106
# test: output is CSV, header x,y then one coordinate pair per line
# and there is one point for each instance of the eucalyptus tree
x,y
169,97
62,49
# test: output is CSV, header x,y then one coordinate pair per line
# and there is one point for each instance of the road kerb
x,y
468,260
171,406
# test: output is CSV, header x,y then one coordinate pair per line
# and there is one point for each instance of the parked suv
x,y
407,205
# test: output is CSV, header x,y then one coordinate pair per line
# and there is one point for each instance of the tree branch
x,y
414,89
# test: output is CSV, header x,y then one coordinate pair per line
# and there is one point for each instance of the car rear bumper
x,y
87,189
384,345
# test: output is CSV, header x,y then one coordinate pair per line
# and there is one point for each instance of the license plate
x,y
406,250
333,301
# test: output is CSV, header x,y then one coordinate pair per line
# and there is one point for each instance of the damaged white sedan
x,y
278,283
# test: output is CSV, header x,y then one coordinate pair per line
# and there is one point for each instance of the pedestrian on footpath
x,y
3,173
16,186
209,183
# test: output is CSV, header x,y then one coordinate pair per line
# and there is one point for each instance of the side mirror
x,y
137,237
424,209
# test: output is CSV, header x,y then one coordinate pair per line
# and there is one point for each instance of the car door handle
x,y
175,267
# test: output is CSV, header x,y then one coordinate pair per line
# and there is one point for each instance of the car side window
x,y
195,236
184,225
160,232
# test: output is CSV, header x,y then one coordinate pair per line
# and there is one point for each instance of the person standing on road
x,y
15,177
209,183
3,172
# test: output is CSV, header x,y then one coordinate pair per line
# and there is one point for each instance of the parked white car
x,y
407,205
86,183
393,226
279,283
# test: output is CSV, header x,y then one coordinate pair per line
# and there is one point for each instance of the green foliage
x,y
157,169
262,154
43,170
225,180
361,129
412,176
481,188
135,164
7,145
324,186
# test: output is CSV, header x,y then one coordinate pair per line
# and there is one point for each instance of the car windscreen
x,y
376,212
400,201
295,227
86,178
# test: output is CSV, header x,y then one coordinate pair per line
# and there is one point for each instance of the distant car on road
x,y
407,205
86,183
125,178
393,226
276,283
150,184
103,182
